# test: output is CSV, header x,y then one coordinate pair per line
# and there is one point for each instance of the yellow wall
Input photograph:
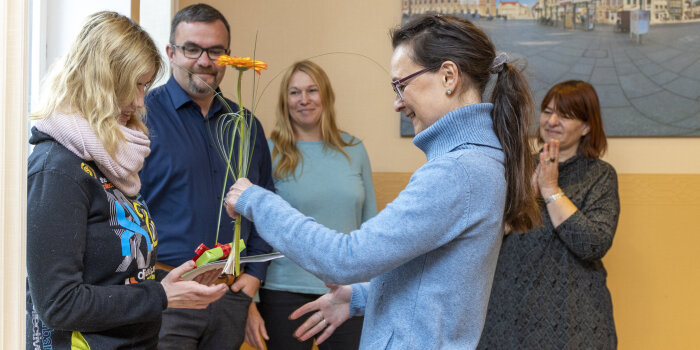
x,y
654,266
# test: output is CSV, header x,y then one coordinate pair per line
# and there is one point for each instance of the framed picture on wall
x,y
406,128
642,56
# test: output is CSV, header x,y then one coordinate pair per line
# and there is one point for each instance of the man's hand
x,y
255,329
333,308
247,283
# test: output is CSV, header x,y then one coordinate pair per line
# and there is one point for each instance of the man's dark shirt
x,y
183,177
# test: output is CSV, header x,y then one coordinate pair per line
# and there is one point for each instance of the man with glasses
x,y
183,177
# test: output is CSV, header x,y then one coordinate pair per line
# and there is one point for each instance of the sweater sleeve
x,y
588,233
369,209
423,217
57,219
358,301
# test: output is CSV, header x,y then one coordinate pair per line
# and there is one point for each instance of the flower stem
x,y
239,173
237,245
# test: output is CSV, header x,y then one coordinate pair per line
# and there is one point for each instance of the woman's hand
x,y
190,294
547,172
233,194
208,278
333,309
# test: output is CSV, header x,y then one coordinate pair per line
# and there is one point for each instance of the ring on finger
x,y
551,159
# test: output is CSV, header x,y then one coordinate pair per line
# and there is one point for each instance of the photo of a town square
x,y
642,56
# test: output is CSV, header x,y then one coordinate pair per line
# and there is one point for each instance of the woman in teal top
x,y
325,174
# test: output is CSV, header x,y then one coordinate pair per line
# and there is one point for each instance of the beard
x,y
198,86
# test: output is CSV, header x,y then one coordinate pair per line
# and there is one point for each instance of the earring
x,y
448,91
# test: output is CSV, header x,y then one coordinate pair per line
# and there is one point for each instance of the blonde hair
x,y
99,75
283,135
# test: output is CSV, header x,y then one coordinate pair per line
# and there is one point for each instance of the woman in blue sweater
x,y
430,255
325,174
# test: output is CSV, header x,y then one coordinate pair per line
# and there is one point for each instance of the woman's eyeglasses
x,y
399,85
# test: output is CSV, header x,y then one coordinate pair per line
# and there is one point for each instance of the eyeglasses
x,y
195,51
399,85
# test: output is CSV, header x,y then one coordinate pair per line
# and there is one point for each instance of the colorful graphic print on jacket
x,y
129,259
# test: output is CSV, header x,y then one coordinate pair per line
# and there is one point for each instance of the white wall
x,y
55,24
154,17
66,17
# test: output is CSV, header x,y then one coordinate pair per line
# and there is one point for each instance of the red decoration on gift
x,y
226,248
199,251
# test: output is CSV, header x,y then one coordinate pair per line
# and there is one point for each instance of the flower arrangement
x,y
241,124
229,126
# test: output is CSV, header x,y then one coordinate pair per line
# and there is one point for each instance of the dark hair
x,y
198,13
435,39
577,99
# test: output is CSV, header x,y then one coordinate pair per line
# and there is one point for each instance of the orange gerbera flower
x,y
241,62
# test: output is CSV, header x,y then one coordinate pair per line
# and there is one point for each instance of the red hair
x,y
578,100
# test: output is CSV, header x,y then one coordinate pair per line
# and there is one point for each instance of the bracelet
x,y
554,197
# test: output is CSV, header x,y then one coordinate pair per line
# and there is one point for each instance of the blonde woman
x,y
325,174
91,243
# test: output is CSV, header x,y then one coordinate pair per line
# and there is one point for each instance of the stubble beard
x,y
201,88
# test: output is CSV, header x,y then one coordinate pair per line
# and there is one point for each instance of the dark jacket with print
x,y
90,257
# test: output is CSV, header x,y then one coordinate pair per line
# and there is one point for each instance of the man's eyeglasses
x,y
195,51
399,84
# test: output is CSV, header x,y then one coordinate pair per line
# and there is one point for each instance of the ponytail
x,y
435,39
513,109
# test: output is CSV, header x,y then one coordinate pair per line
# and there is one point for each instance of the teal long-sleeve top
x,y
337,191
430,254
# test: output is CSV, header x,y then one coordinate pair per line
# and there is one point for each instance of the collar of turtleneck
x,y
469,124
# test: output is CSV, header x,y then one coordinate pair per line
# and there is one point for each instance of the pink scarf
x,y
74,133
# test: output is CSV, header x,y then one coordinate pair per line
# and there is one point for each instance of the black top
x,y
549,291
91,252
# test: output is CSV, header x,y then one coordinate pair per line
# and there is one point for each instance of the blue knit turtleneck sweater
x,y
430,254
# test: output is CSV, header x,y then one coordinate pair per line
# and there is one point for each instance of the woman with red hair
x,y
549,290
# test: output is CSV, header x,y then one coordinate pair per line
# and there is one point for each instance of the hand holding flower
x,y
234,193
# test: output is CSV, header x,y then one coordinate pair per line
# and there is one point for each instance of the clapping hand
x,y
545,180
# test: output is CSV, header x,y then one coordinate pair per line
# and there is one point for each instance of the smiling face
x,y
128,111
198,76
423,96
305,106
568,130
